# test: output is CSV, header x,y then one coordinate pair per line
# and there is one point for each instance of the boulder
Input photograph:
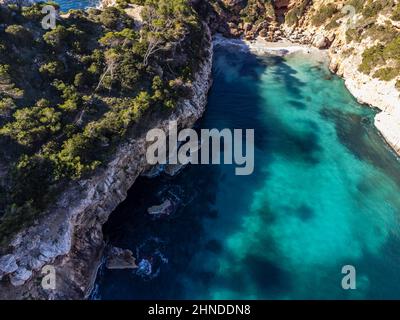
x,y
164,209
246,27
20,277
321,42
8,264
117,259
263,33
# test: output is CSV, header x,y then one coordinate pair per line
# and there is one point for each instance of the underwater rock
x,y
8,264
117,259
164,209
144,268
20,277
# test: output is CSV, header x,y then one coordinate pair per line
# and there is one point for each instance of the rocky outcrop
x,y
389,125
69,236
120,259
164,209
106,3
240,18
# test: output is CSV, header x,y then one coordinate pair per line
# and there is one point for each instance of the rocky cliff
x,y
362,38
240,18
69,237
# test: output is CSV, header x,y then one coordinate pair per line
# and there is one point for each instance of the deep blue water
x,y
325,193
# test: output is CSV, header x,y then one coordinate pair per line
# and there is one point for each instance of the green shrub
x,y
353,35
396,13
379,55
19,34
324,14
32,125
34,11
56,37
78,125
114,18
372,57
52,69
392,49
357,4
332,25
383,33
387,73
7,85
72,98
293,16
7,106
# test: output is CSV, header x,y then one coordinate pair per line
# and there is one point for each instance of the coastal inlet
x,y
325,194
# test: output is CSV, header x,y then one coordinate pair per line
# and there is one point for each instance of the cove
x,y
324,194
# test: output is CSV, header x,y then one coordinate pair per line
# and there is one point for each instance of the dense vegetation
x,y
251,12
294,14
383,59
326,12
70,95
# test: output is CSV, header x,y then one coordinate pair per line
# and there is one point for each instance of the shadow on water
x,y
358,134
178,236
191,241
233,103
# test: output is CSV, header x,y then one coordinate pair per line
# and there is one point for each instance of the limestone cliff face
x,y
240,18
70,237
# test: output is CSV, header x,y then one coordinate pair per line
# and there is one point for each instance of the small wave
x,y
151,259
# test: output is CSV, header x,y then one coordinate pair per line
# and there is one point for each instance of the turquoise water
x,y
66,5
325,193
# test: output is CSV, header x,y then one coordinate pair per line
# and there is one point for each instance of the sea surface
x,y
325,193
66,5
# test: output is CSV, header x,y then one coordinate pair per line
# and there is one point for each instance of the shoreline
x,y
69,235
362,88
260,46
